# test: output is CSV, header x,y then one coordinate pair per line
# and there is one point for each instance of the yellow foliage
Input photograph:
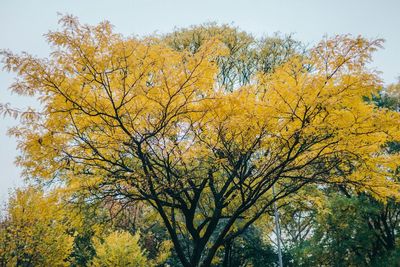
x,y
104,94
135,118
119,249
34,231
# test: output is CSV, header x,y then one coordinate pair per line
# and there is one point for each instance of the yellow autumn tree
x,y
33,231
119,249
135,119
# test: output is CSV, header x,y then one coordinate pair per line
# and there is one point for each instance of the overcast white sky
x,y
23,23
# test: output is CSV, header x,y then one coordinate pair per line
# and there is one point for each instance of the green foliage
x,y
83,250
84,230
347,233
246,55
250,250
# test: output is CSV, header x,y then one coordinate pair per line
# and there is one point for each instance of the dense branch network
x,y
137,120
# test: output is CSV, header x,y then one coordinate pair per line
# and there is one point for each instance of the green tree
x,y
350,231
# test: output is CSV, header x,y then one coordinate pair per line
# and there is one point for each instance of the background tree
x,y
120,249
33,232
350,231
348,227
90,222
134,119
337,225
246,55
249,249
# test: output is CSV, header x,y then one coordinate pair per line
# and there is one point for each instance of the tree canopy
x,y
199,129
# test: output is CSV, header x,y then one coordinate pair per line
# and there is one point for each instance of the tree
x,y
246,54
350,231
353,228
248,250
389,97
339,226
34,231
119,249
135,120
90,221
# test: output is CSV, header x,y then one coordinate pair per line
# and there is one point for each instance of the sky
x,y
23,23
